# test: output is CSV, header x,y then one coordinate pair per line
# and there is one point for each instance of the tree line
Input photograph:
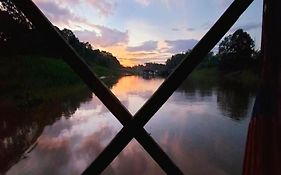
x,y
236,52
18,36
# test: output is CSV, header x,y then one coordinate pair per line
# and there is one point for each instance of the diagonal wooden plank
x,y
127,133
101,91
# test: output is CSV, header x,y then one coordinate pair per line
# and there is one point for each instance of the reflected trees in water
x,y
233,98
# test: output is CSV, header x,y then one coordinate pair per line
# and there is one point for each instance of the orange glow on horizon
x,y
127,58
139,85
120,52
127,62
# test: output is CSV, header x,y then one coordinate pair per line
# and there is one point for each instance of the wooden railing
x,y
133,126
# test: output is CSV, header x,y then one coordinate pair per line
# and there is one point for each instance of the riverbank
x,y
32,80
247,77
209,117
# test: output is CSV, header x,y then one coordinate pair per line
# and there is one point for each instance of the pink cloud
x,y
104,7
177,46
143,2
58,14
145,46
50,143
105,38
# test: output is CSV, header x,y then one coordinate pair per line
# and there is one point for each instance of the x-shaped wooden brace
x,y
133,126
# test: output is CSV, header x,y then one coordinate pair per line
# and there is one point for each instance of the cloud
x,y
142,60
142,54
104,38
104,7
145,46
206,26
62,16
143,164
177,46
143,2
247,27
58,14
224,3
175,29
190,29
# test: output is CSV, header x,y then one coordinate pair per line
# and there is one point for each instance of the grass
x,y
207,74
30,80
36,79
103,71
247,78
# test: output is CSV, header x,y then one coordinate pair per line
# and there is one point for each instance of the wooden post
x,y
263,148
79,66
168,87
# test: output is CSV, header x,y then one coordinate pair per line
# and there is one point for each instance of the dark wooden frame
x,y
133,126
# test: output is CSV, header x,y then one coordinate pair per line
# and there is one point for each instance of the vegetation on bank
x,y
18,36
30,80
236,60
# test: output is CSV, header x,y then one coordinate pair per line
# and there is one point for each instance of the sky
x,y
139,31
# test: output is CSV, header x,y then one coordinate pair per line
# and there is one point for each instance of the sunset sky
x,y
139,31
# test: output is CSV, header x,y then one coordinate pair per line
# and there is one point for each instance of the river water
x,y
202,127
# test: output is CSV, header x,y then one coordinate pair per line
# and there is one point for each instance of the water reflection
x,y
133,91
20,127
195,127
69,145
234,99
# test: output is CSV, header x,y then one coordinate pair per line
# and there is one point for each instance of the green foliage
x,y
236,51
18,36
210,74
15,28
175,60
92,57
36,71
209,61
239,42
30,80
104,71
155,68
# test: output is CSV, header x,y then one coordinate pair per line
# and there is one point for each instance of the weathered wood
x,y
212,37
101,91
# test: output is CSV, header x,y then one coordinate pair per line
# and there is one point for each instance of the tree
x,y
86,51
236,51
209,61
18,36
15,27
175,60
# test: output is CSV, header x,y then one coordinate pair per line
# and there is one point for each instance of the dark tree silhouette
x,y
236,51
86,50
15,27
18,36
175,60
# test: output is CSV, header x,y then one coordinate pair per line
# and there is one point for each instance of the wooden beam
x,y
204,46
79,66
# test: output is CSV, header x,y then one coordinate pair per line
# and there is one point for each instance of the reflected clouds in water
x,y
190,127
69,145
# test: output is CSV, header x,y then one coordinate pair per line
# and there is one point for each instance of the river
x,y
202,127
